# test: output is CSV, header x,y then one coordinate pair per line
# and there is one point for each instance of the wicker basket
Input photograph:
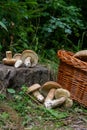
x,y
72,75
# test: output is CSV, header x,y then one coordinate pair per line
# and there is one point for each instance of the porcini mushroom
x,y
34,89
48,89
18,62
17,56
29,58
9,60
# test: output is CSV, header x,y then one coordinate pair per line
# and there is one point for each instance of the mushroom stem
x,y
50,94
18,63
27,62
9,54
54,103
38,96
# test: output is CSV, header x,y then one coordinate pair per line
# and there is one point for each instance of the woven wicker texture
x,y
72,75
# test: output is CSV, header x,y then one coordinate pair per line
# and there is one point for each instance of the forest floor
x,y
24,111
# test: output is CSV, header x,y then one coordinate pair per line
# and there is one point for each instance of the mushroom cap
x,y
17,56
32,54
33,88
82,55
68,103
62,93
49,85
9,61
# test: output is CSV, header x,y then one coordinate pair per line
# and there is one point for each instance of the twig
x,y
37,102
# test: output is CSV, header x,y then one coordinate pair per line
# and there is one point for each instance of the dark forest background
x,y
43,25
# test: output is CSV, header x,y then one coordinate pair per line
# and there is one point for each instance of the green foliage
x,y
40,25
53,113
3,26
3,118
63,22
11,91
2,97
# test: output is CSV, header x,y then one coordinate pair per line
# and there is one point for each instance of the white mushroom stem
x,y
54,103
50,95
38,96
27,62
18,63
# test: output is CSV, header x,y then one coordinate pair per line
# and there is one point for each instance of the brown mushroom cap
x,y
49,85
32,54
9,61
17,56
33,88
62,93
82,55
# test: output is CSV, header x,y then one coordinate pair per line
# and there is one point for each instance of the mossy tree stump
x,y
16,77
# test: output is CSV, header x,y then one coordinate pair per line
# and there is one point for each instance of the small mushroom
x,y
29,58
68,103
17,56
18,62
34,89
9,60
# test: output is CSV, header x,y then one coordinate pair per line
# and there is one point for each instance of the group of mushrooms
x,y
51,94
28,58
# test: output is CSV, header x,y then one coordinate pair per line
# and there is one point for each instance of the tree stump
x,y
16,77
